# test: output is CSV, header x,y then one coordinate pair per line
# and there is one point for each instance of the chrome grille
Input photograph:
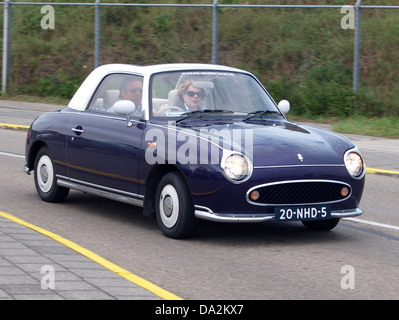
x,y
300,192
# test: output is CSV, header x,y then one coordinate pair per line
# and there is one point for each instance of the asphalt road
x,y
223,261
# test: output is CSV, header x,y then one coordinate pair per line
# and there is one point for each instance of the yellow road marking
x,y
96,258
13,126
382,171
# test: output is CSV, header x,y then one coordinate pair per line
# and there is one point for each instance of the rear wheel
x,y
45,179
321,225
174,207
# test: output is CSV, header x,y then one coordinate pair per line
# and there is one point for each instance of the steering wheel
x,y
167,108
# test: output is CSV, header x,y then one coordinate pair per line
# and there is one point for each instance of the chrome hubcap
x,y
44,174
168,206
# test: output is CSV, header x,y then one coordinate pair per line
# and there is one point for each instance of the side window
x,y
118,87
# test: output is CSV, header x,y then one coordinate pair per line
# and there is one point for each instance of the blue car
x,y
193,141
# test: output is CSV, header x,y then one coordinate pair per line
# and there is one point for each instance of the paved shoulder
x,y
23,113
33,266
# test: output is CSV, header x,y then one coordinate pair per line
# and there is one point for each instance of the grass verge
x,y
385,127
378,127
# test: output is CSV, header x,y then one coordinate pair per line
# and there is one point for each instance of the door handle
x,y
78,130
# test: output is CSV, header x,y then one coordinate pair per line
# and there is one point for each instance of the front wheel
x,y
45,179
174,207
321,225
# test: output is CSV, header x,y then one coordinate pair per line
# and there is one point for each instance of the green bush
x,y
58,85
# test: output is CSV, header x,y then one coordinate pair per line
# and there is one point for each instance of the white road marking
x,y
372,223
11,154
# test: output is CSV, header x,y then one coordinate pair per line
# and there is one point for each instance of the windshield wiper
x,y
198,113
261,113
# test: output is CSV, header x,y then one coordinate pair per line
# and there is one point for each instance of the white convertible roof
x,y
89,85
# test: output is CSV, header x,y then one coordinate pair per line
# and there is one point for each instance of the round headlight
x,y
354,164
237,167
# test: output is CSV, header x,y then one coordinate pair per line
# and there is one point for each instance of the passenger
x,y
132,89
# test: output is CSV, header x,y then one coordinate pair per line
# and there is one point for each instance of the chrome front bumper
x,y
207,214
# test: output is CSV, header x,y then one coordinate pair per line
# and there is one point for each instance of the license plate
x,y
302,213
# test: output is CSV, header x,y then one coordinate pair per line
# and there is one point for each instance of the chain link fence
x,y
351,18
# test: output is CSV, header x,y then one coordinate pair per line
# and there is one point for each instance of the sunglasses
x,y
193,93
135,90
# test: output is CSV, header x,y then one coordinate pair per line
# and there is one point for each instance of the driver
x,y
191,96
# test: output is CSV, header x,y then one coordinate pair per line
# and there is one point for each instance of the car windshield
x,y
184,94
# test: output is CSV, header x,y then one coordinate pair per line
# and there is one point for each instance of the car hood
x,y
272,143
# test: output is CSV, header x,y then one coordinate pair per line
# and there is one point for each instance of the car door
x,y
103,153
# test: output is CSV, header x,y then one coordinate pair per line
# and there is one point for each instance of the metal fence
x,y
214,6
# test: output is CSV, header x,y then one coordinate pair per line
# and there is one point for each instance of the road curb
x,y
135,279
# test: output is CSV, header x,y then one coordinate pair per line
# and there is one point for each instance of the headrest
x,y
111,96
173,98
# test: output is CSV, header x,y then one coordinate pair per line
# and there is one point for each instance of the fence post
x,y
215,31
356,62
97,34
6,45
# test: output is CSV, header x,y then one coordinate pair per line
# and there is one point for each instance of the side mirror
x,y
284,106
124,107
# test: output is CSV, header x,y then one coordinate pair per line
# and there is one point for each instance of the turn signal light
x,y
254,195
344,191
